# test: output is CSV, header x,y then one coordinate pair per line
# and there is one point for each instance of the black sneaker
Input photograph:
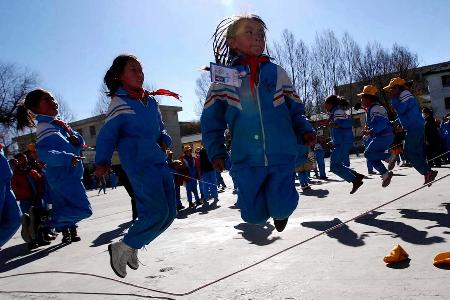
x,y
357,182
430,176
199,202
66,239
32,245
180,207
280,224
191,205
74,237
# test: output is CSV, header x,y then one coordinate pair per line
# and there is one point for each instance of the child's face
x,y
365,101
47,106
327,106
132,77
250,38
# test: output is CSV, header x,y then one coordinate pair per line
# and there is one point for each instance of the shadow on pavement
x,y
400,265
202,209
319,193
441,219
400,230
109,236
257,234
343,234
19,255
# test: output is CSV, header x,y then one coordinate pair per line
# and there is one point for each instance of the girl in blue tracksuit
x,y
266,119
9,210
59,147
379,130
410,118
342,138
134,127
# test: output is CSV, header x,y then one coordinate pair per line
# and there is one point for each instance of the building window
x,y
447,103
445,80
92,131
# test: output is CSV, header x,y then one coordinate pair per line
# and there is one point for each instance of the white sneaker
x,y
133,261
119,254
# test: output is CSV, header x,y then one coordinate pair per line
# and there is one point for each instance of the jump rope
x,y
201,287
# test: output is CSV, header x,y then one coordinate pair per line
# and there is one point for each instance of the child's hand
x,y
76,159
309,138
219,164
74,140
101,170
163,146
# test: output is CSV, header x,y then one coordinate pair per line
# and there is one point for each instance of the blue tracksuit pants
x,y
154,191
303,177
265,192
191,188
369,166
209,184
376,152
338,160
9,214
414,150
70,203
320,159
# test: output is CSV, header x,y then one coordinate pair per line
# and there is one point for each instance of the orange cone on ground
x,y
442,259
396,255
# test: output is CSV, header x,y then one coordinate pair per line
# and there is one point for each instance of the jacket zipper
x,y
266,162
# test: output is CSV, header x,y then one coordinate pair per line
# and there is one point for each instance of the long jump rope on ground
x,y
211,282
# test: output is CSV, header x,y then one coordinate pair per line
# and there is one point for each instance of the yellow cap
x,y
369,90
395,81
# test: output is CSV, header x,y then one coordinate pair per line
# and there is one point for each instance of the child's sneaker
x,y
119,254
133,261
25,231
191,205
280,224
66,239
357,182
74,237
386,177
199,202
430,176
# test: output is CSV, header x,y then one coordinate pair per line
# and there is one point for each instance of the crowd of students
x,y
271,139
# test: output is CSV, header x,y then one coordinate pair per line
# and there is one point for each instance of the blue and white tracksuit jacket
x,y
411,119
342,139
136,130
70,202
9,211
265,127
381,137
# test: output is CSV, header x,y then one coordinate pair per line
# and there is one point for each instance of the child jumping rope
x,y
342,139
134,126
265,117
59,147
379,130
411,120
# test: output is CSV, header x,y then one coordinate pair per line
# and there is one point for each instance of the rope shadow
x,y
343,234
257,234
400,230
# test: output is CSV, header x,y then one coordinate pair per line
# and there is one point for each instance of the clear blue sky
x,y
70,44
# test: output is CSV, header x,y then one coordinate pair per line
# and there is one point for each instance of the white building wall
x,y
438,93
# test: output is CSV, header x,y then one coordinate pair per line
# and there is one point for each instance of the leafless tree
x,y
101,106
65,112
201,90
15,82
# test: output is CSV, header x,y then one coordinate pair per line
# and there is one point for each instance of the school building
x,y
90,127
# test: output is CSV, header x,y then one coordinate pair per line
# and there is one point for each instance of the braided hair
x,y
227,29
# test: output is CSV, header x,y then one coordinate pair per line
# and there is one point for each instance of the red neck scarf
x,y
253,62
63,125
143,94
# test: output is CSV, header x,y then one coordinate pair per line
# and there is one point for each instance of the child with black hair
x,y
134,126
59,147
380,133
265,117
342,139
